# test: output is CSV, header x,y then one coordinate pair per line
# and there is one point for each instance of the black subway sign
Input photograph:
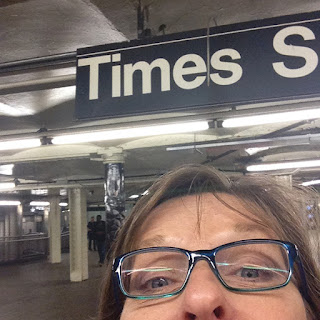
x,y
267,60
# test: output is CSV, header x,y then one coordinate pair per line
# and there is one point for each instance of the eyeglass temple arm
x,y
116,290
304,288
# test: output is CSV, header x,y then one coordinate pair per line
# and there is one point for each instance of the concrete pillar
x,y
14,233
114,193
12,230
46,220
7,235
19,219
78,235
19,245
54,227
13,221
2,238
285,179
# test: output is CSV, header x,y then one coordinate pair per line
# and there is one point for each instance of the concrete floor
x,y
40,290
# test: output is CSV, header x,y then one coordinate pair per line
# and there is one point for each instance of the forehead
x,y
205,220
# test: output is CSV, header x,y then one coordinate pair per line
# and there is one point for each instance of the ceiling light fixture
x,y
134,196
39,192
310,183
131,132
298,115
40,203
7,185
252,151
284,165
20,144
63,204
9,203
6,169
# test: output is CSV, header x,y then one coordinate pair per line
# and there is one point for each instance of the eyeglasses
x,y
245,266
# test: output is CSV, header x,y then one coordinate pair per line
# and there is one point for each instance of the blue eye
x,y
159,282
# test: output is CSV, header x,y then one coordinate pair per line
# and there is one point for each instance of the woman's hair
x,y
282,208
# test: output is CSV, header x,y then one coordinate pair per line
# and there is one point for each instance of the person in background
x,y
200,246
91,234
100,235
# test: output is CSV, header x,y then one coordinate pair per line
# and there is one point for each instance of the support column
x,y
7,235
78,235
12,230
14,233
114,193
54,228
285,179
19,213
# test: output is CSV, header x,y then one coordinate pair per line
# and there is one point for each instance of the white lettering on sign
x,y
146,69
93,64
194,66
234,68
308,54
179,70
116,76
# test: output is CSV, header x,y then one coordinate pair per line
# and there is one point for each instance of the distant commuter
x,y
100,232
91,234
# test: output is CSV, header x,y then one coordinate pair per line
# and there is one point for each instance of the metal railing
x,y
28,247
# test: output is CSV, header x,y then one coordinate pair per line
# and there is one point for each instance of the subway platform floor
x,y
38,290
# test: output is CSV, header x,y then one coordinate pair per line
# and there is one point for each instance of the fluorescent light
x,y
284,165
39,192
20,144
134,196
7,185
310,183
131,132
6,169
145,193
14,111
9,203
40,203
252,151
63,204
272,118
63,192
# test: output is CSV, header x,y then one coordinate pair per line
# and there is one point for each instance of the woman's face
x,y
174,223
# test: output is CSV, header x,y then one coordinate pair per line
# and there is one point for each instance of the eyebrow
x,y
238,227
152,242
251,227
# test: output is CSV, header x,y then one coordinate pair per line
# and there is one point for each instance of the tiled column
x,y
54,228
78,235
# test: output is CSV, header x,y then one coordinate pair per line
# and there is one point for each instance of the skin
x,y
174,223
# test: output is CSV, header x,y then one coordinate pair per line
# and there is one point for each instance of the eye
x,y
249,273
158,283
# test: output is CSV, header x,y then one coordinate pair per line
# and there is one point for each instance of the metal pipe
x,y
38,62
276,141
38,84
76,184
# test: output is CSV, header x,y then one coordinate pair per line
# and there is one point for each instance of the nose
x,y
205,297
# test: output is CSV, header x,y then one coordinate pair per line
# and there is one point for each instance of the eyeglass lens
x,y
249,266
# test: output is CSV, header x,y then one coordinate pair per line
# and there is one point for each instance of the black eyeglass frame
x,y
209,256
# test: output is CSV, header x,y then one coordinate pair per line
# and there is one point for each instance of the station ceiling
x,y
30,106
